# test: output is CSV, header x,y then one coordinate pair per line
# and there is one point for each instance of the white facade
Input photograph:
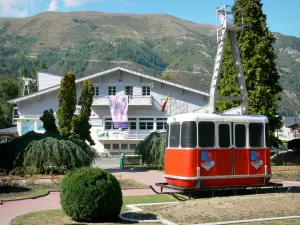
x,y
147,95
46,80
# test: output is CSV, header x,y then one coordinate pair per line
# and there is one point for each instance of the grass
x,y
58,217
32,194
229,208
276,222
32,189
128,183
286,176
192,212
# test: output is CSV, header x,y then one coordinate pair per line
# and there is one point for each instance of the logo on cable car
x,y
206,160
256,161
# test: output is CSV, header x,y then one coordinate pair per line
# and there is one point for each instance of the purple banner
x,y
119,110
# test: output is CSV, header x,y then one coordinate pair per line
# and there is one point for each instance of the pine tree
x,y
80,123
66,104
258,59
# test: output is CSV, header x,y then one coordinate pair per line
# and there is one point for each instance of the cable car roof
x,y
217,118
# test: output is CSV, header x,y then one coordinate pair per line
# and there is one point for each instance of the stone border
x,y
34,197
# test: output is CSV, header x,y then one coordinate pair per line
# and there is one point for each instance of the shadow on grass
x,y
140,216
13,189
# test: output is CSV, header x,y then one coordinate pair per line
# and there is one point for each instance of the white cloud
x,y
53,5
15,8
74,3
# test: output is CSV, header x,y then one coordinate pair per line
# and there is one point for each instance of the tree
x,y
44,65
48,120
66,103
152,149
168,77
258,60
24,71
80,123
9,89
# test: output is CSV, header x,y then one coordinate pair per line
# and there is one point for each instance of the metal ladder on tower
x,y
227,28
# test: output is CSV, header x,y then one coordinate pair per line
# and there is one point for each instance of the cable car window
x,y
174,134
206,134
188,134
167,135
224,135
267,134
256,135
240,136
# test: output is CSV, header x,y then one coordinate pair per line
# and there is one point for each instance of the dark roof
x,y
10,130
290,120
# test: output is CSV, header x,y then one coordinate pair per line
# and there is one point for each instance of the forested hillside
x,y
88,42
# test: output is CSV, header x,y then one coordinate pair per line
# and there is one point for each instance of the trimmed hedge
x,y
91,195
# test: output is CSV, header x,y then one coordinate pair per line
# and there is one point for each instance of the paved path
x,y
10,210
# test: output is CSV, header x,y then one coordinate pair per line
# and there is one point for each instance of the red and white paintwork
x,y
228,166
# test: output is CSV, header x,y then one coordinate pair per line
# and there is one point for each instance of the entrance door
x,y
240,152
224,152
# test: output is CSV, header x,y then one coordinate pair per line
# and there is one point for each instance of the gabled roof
x,y
10,130
56,87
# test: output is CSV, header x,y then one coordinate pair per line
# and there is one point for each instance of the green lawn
x,y
58,217
34,189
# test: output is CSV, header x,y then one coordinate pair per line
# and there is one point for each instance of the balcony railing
x,y
123,135
145,100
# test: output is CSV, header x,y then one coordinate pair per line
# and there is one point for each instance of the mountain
x,y
156,44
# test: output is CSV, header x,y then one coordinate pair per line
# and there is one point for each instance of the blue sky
x,y
282,14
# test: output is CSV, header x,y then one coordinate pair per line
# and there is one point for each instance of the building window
x,y
16,112
107,146
240,135
146,90
224,135
128,90
146,123
115,146
132,123
109,125
188,134
161,123
174,134
206,134
112,90
132,146
124,146
96,91
256,135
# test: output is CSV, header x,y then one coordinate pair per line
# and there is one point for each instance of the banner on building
x,y
119,110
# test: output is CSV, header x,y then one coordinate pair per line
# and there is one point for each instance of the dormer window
x,y
129,90
146,90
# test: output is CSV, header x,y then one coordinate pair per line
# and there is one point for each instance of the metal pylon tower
x,y
227,28
26,81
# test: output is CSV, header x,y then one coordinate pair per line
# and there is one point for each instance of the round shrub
x,y
91,195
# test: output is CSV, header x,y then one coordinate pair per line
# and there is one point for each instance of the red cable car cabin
x,y
215,150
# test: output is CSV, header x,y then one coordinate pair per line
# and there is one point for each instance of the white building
x,y
146,95
289,130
